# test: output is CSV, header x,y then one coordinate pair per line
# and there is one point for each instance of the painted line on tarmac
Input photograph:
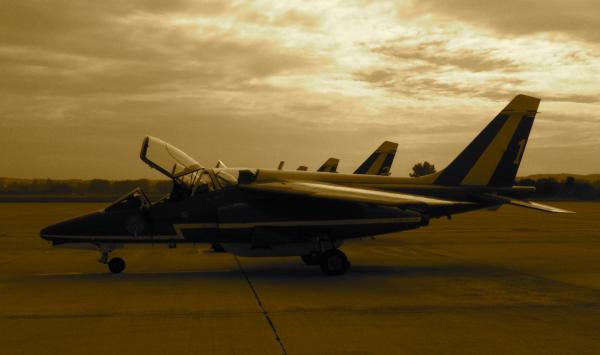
x,y
260,305
59,274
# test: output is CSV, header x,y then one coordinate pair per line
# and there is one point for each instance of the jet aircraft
x,y
268,212
378,163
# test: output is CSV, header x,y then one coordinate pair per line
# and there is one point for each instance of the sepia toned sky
x,y
253,83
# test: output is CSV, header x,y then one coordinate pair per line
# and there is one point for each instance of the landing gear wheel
x,y
310,259
334,262
116,265
217,248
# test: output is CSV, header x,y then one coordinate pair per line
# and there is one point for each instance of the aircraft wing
x,y
345,193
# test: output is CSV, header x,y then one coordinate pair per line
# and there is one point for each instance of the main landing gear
x,y
332,261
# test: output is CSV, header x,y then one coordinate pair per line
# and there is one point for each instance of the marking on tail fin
x,y
387,164
494,156
483,169
519,156
380,162
364,167
505,172
462,164
377,164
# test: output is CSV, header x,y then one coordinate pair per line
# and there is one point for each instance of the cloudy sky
x,y
253,83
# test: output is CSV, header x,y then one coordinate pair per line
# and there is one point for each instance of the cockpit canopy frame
x,y
189,177
169,160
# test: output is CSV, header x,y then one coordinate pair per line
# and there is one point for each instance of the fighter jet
x,y
378,163
268,212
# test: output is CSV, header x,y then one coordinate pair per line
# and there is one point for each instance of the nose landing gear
x,y
115,265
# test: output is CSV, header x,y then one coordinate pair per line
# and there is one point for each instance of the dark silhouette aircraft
x,y
268,212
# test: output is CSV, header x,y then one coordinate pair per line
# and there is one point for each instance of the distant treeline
x,y
569,188
78,190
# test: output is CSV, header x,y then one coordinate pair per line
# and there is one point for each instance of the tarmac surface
x,y
511,281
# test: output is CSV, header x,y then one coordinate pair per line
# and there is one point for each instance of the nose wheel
x,y
116,265
334,262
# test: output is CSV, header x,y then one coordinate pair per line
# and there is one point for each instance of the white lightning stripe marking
x,y
180,227
118,237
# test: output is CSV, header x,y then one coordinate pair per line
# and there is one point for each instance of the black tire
x,y
116,265
310,259
217,248
334,262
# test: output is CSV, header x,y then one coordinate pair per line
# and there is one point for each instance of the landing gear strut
x,y
217,248
310,259
334,262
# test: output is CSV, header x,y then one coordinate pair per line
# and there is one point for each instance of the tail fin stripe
x,y
482,171
385,168
505,172
364,167
460,167
494,156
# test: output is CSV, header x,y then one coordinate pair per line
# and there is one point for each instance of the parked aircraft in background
x,y
265,212
380,162
329,166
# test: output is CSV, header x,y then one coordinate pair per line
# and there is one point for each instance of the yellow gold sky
x,y
253,83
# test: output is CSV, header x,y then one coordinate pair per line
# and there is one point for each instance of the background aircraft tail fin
x,y
380,162
494,156
330,166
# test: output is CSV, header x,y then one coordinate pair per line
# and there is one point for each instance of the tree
x,y
99,186
570,183
423,168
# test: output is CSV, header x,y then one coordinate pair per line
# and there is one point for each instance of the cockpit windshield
x,y
167,159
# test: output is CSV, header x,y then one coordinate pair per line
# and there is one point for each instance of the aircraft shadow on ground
x,y
291,273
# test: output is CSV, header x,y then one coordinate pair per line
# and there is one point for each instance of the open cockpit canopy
x,y
168,159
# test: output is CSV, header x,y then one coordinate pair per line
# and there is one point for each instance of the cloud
x,y
259,82
437,54
577,18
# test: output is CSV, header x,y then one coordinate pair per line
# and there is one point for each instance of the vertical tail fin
x,y
380,162
330,166
494,156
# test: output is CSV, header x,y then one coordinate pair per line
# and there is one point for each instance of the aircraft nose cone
x,y
52,231
73,227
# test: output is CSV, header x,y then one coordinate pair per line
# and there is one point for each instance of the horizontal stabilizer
x,y
538,206
524,203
